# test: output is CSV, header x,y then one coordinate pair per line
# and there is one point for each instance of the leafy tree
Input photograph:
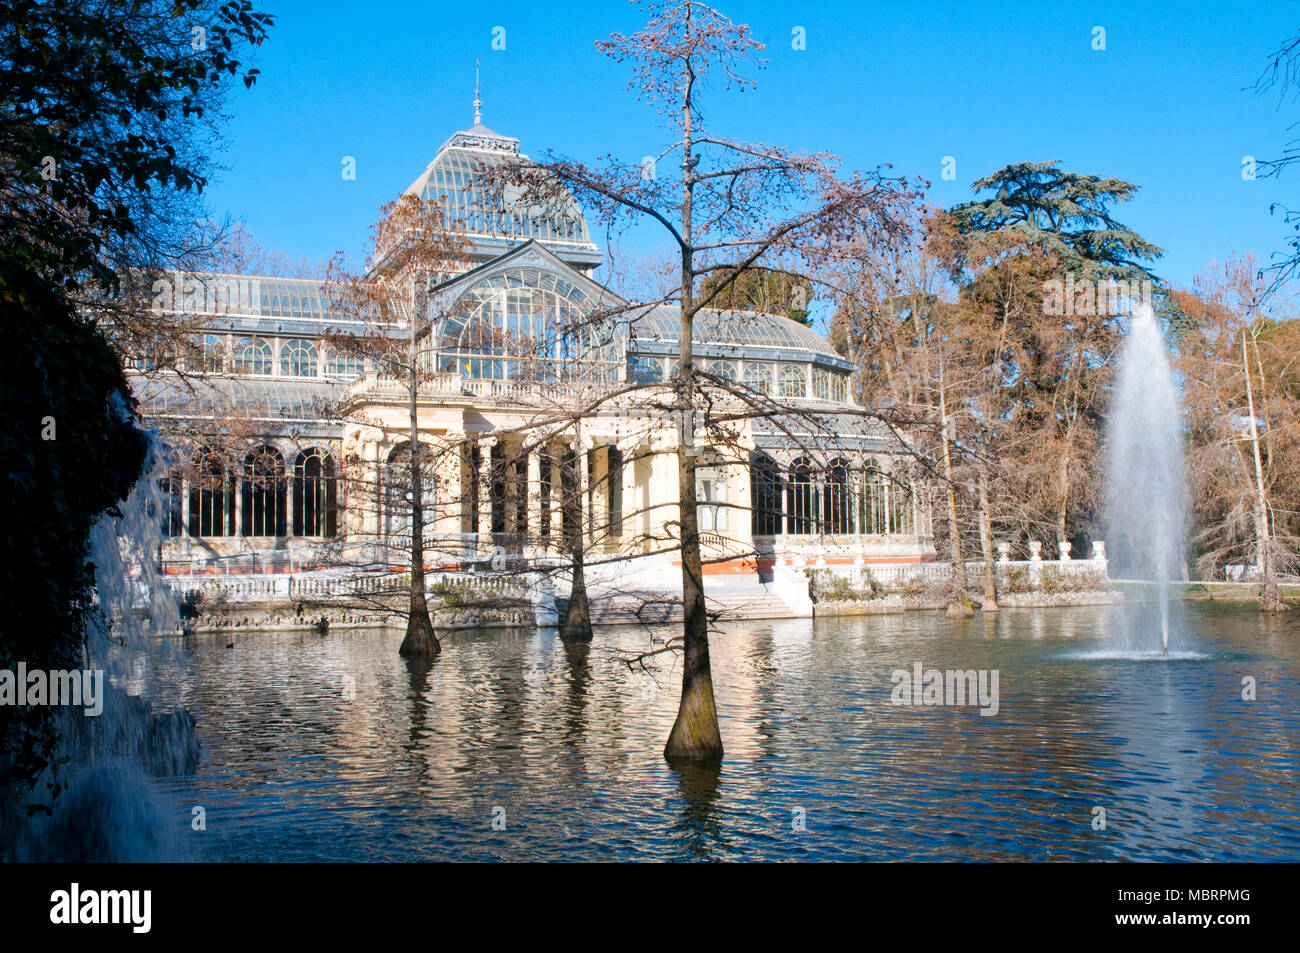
x,y
1064,213
1066,359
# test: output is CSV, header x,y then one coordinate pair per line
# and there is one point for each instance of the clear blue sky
x,y
1166,105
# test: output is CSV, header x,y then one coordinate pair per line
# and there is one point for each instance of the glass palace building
x,y
286,442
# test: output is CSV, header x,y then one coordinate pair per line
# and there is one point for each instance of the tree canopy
x,y
1064,213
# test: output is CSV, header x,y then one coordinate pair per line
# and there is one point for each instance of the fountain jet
x,y
1146,489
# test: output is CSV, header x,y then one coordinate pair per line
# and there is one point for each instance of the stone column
x,y
629,498
451,498
585,483
485,445
533,490
556,502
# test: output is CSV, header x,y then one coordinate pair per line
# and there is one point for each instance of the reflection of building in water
x,y
288,440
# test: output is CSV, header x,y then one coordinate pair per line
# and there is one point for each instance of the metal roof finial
x,y
478,104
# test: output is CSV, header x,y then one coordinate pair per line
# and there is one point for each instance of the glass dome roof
x,y
733,333
495,221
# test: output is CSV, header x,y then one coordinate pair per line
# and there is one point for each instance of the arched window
x,y
821,384
614,492
263,493
253,356
208,355
398,499
315,494
570,497
645,370
171,490
837,503
794,382
840,388
528,324
765,496
343,364
212,495
758,377
900,508
724,369
801,499
298,358
875,490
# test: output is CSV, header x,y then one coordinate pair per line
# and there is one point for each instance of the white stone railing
x,y
896,574
534,588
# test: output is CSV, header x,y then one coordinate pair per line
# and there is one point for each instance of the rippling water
x,y
332,748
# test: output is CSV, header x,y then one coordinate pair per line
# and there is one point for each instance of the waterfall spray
x,y
111,809
1146,480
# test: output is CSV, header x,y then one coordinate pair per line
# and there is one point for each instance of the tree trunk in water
x,y
420,641
986,544
695,735
576,626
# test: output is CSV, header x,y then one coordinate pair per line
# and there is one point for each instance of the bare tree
x,y
727,206
414,249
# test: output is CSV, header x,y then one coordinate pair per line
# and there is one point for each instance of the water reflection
x,y
512,745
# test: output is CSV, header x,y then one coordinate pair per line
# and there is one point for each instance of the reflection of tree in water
x,y
575,700
418,668
700,825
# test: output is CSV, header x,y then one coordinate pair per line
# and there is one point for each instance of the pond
x,y
513,747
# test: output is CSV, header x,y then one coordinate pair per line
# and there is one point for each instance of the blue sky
x,y
1166,105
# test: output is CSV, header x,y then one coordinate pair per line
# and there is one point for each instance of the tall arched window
x,y
794,381
315,494
298,358
212,495
263,493
900,508
821,384
765,496
874,506
614,493
253,356
801,500
570,496
171,489
758,377
840,388
398,500
837,502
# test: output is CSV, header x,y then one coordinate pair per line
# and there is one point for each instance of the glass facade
x,y
528,325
